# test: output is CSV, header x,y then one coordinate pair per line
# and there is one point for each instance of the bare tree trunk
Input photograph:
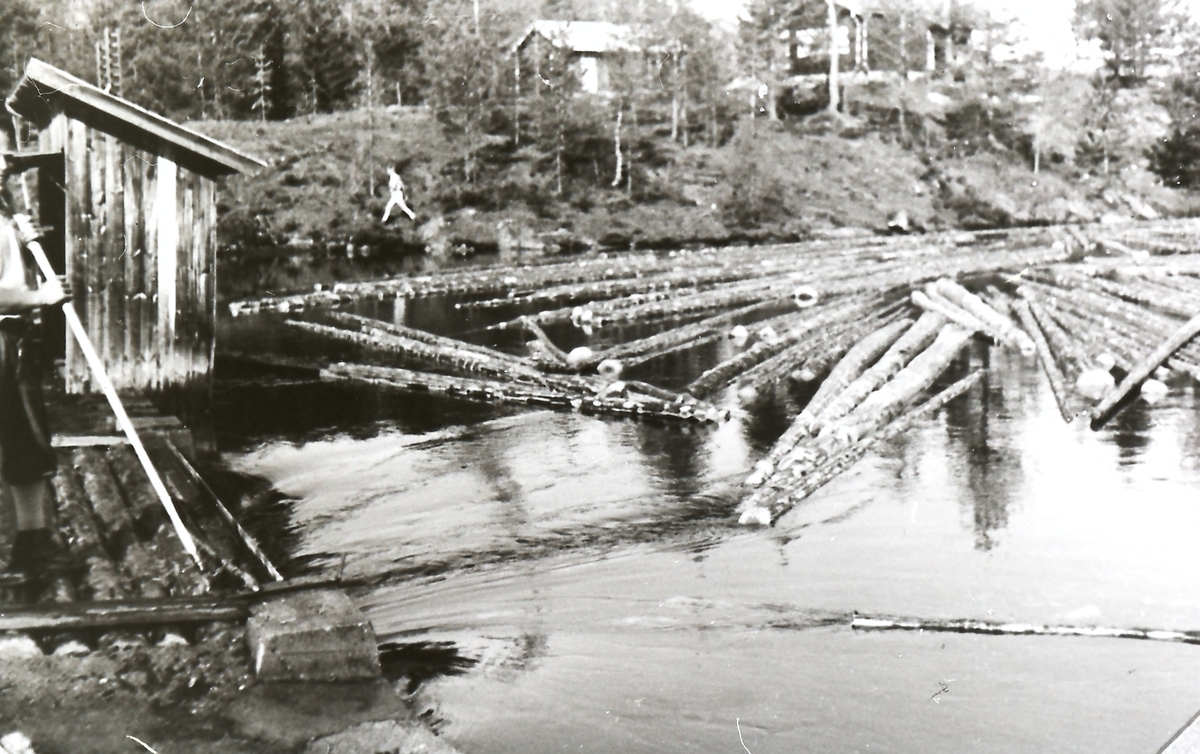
x,y
629,169
616,181
675,116
833,57
683,117
903,78
1037,158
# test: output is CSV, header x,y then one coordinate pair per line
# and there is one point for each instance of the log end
x,y
755,515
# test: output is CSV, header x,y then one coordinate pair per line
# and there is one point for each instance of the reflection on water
x,y
992,473
583,584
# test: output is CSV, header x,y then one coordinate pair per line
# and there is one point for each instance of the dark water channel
x,y
578,583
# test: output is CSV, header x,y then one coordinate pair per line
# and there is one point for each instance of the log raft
x,y
868,325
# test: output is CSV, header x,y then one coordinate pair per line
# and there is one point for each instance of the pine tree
x,y
1129,31
18,39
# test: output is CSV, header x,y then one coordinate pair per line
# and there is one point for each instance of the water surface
x,y
587,580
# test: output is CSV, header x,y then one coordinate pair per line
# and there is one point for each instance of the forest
x,y
707,134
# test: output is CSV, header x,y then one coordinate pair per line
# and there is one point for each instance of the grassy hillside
x,y
325,189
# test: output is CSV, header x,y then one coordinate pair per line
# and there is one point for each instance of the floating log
x,y
802,426
998,325
857,360
560,356
687,336
1061,344
829,350
406,347
1136,376
878,409
360,322
931,301
993,628
498,392
786,493
722,374
1046,357
883,405
813,357
916,339
142,502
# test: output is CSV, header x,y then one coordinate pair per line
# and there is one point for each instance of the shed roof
x,y
581,36
44,87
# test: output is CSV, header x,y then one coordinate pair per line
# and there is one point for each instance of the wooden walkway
x,y
130,563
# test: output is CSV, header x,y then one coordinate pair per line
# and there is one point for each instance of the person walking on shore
x,y
27,461
396,187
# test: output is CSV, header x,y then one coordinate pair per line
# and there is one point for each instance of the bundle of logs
x,y
875,322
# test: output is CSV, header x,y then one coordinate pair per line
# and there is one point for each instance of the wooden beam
x,y
43,83
88,441
85,615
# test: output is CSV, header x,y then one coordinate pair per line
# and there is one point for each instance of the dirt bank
x,y
194,694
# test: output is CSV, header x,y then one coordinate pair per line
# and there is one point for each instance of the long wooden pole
x,y
247,539
114,401
1107,407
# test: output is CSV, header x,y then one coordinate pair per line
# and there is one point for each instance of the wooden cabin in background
x,y
928,37
131,198
590,46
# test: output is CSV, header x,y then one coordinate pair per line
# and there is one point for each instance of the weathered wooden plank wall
x,y
140,238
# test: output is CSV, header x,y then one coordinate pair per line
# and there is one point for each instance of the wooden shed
x,y
131,199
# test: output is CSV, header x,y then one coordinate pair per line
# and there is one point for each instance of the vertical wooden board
x,y
183,301
168,250
199,310
114,261
193,301
210,273
51,179
149,307
131,174
208,258
78,239
97,321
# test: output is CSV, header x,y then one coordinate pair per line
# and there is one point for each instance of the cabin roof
x,y
43,87
581,36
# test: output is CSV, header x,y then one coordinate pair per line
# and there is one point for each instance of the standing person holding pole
x,y
27,461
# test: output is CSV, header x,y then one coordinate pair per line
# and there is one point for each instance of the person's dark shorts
x,y
26,455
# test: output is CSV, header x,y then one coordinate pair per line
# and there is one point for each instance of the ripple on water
x,y
589,579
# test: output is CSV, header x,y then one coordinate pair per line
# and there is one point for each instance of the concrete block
x,y
312,636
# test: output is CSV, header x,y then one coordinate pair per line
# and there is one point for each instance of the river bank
x,y
318,203
182,696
